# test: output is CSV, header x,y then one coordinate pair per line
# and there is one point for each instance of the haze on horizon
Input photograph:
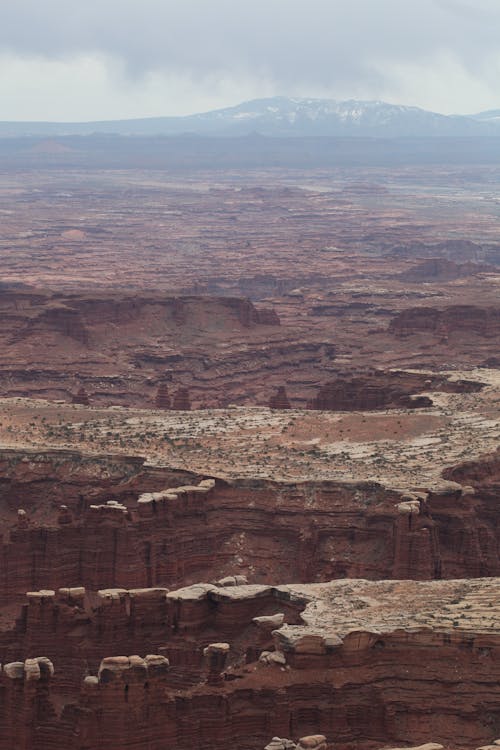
x,y
70,60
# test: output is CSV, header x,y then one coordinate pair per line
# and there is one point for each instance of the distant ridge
x,y
492,115
282,116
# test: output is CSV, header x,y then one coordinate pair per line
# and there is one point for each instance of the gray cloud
x,y
335,46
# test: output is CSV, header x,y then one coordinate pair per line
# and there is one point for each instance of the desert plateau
x,y
249,450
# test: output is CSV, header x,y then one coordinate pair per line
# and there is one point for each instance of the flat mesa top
x,y
397,448
336,609
344,606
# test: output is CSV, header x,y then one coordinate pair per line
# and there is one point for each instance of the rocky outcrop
x,y
216,655
457,320
267,317
125,344
27,710
484,473
391,389
372,663
368,662
181,400
312,742
130,669
162,400
57,318
81,397
180,527
280,399
40,482
375,389
459,250
442,269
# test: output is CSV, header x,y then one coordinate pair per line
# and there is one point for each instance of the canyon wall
x,y
343,671
175,533
456,320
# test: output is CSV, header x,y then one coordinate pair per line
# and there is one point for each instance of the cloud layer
x,y
69,59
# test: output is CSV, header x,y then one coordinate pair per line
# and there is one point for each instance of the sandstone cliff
x,y
110,532
359,661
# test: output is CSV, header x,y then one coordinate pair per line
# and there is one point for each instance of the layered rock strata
x,y
181,400
162,400
173,533
280,399
81,397
457,320
374,389
371,662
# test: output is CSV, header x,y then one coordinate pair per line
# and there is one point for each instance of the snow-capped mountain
x,y
326,117
282,116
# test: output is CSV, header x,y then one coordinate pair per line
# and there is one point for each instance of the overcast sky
x,y
108,59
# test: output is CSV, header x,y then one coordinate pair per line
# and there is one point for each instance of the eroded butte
x,y
249,459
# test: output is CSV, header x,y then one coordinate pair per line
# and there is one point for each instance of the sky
x,y
76,60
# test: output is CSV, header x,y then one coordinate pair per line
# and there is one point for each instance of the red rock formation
x,y
92,546
55,317
280,399
81,397
454,250
442,269
459,320
267,317
376,389
312,742
371,390
484,473
366,664
308,531
98,585
27,712
154,334
183,309
221,347
162,400
216,655
181,401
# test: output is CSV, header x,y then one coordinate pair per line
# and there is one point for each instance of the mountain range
x,y
282,116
